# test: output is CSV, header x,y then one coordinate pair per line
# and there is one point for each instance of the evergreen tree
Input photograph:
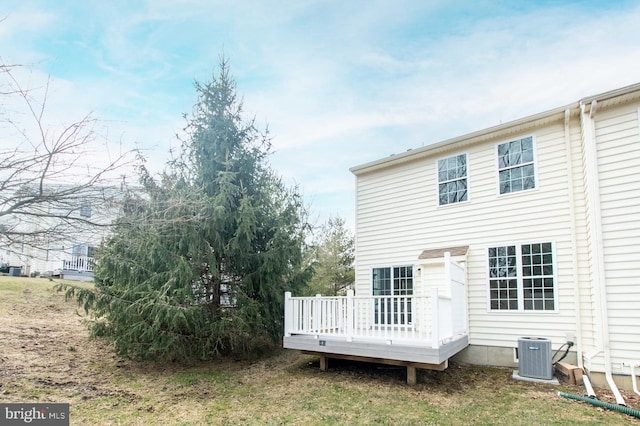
x,y
333,257
198,265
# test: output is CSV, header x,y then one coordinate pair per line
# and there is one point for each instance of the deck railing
x,y
79,263
419,320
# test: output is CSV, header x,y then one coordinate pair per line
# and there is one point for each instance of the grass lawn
x,y
46,356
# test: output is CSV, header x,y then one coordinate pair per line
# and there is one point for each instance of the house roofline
x,y
520,125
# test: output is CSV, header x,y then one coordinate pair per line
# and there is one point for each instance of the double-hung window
x,y
516,171
521,277
394,284
452,179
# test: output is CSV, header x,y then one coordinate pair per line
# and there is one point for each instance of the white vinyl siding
x,y
585,201
618,152
584,299
398,217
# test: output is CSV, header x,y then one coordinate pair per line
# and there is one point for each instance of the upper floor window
x,y
452,179
516,166
521,277
85,209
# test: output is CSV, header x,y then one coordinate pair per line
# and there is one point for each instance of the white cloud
x,y
19,23
340,83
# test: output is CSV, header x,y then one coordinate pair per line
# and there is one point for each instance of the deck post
x,y
317,315
411,375
447,268
324,361
287,314
350,307
435,318
452,291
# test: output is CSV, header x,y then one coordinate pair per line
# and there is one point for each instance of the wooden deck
x,y
380,350
418,331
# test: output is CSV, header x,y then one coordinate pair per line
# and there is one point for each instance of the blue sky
x,y
340,83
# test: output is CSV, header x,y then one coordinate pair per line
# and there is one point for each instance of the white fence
x,y
420,320
79,263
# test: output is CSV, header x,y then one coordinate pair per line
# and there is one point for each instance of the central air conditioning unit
x,y
534,357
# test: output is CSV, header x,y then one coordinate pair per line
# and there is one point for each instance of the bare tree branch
x,y
50,176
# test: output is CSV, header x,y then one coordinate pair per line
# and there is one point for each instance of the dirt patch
x,y
46,352
47,355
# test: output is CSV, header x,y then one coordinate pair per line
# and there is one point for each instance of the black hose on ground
x,y
598,403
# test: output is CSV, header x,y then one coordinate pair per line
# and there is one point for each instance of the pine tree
x,y
333,257
199,263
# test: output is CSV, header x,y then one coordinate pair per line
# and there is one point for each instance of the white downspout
x,y
634,379
590,149
587,385
574,244
574,256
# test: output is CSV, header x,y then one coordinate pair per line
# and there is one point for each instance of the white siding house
x,y
54,245
544,215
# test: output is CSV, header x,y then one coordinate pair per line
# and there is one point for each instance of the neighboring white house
x,y
544,215
69,252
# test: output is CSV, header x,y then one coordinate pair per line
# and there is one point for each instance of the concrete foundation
x,y
497,356
622,381
505,357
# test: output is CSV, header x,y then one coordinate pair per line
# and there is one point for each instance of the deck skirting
x,y
376,349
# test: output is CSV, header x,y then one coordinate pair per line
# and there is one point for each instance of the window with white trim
x,y
521,277
452,179
392,281
516,170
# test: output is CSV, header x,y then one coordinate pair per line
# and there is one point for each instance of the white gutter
x,y
502,130
590,150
